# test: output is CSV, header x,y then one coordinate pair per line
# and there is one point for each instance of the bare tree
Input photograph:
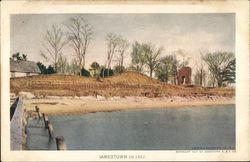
x,y
112,43
73,67
53,44
95,69
183,59
122,48
138,60
62,64
79,35
218,64
152,56
200,74
175,71
200,69
164,71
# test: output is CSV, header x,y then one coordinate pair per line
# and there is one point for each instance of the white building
x,y
20,68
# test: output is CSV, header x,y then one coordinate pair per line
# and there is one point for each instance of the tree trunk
x,y
151,72
174,73
219,82
213,82
166,78
204,83
56,68
201,77
103,72
80,70
175,76
121,63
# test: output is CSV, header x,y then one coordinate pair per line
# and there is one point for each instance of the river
x,y
187,128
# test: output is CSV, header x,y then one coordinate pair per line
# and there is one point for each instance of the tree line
x,y
212,69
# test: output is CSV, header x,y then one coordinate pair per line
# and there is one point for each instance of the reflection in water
x,y
206,127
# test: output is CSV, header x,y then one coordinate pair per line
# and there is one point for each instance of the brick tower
x,y
184,75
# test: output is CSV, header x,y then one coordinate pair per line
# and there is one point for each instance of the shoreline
x,y
57,106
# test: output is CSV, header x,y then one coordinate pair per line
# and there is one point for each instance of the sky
x,y
189,32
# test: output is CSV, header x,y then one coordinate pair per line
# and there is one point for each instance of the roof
x,y
24,66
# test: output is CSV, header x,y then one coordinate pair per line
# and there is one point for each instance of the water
x,y
206,127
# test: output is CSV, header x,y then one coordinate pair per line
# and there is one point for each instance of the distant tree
x,y
112,43
118,69
85,73
44,69
199,77
152,56
200,73
24,57
222,66
122,48
95,65
80,35
164,70
228,74
16,56
175,72
96,69
183,59
19,56
62,64
50,70
53,45
138,59
68,68
145,55
106,72
74,67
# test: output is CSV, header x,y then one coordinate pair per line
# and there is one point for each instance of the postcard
x,y
125,80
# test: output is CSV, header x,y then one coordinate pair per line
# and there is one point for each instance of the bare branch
x,y
79,36
53,44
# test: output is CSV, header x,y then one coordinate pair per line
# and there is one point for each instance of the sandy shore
x,y
54,105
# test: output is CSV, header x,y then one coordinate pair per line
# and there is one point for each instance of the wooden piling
x,y
37,108
60,143
46,123
40,115
25,124
46,120
50,129
38,112
43,117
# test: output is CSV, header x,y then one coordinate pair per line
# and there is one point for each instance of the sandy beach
x,y
54,105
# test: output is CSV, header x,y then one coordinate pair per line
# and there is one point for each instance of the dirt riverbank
x,y
125,84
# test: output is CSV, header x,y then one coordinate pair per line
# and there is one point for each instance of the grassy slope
x,y
126,84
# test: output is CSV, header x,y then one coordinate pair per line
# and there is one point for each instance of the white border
x,y
242,79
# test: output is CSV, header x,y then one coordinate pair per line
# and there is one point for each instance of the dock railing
x,y
16,125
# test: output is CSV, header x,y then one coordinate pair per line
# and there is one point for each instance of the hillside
x,y
125,84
